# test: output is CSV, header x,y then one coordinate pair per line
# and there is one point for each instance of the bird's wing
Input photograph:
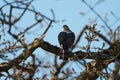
x,y
62,37
70,39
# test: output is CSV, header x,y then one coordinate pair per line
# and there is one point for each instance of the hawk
x,y
66,39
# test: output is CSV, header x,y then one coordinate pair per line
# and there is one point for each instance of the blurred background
x,y
74,13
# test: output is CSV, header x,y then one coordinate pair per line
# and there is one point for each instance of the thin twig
x,y
28,28
79,37
97,15
21,14
43,35
47,27
87,27
104,38
53,14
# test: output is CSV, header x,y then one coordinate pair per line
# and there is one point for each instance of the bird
x,y
66,39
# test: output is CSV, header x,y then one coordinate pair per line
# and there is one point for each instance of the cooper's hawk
x,y
66,39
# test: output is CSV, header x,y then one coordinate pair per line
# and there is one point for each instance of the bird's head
x,y
65,28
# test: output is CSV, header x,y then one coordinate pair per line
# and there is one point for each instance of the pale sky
x,y
69,10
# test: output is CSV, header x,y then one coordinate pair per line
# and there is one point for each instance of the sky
x,y
69,10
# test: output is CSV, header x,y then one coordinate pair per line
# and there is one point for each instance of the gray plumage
x,y
66,39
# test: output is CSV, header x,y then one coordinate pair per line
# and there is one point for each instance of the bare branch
x,y
97,15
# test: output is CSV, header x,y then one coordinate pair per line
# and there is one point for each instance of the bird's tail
x,y
64,54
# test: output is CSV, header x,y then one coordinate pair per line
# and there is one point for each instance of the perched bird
x,y
66,39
